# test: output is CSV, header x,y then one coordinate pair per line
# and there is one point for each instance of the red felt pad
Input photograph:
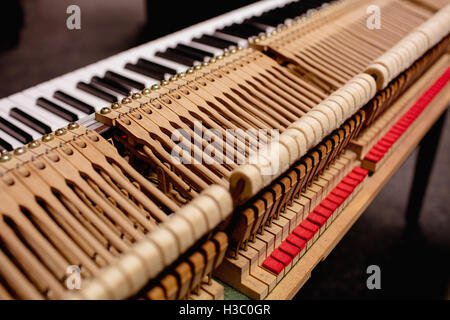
x,y
377,153
414,112
281,256
420,105
303,233
389,138
396,130
345,187
380,148
290,249
355,176
406,119
273,265
335,199
405,122
415,109
340,193
351,182
393,133
330,205
317,219
383,142
297,241
392,137
400,124
308,225
372,158
399,128
360,171
322,211
410,116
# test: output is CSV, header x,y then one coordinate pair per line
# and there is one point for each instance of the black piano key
x,y
5,145
125,81
202,54
14,131
276,16
156,66
185,53
173,55
235,31
74,102
250,28
110,85
96,92
265,20
261,27
29,121
57,110
214,41
142,69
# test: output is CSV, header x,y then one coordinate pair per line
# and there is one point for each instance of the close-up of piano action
x,y
223,158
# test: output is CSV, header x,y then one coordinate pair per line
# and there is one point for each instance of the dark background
x,y
36,46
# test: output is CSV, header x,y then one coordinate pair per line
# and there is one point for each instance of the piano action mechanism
x,y
244,168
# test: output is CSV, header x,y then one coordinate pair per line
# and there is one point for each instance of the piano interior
x,y
232,169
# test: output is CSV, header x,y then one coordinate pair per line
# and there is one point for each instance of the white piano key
x,y
13,142
205,47
240,41
5,106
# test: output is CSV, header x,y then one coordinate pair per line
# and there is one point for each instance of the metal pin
x,y
105,110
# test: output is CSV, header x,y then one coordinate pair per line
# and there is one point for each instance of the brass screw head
x,y
155,87
5,157
105,110
173,78
190,71
60,132
73,125
146,91
19,151
115,105
164,83
34,144
136,96
126,100
47,138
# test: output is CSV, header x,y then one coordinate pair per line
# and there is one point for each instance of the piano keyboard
x,y
75,96
140,215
